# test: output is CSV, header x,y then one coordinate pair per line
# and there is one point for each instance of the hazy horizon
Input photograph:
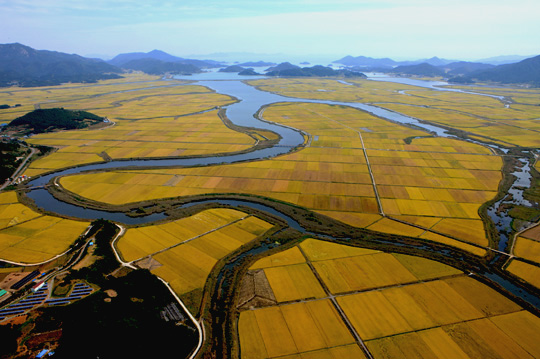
x,y
464,30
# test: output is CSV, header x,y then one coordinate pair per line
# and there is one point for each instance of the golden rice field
x,y
149,119
310,328
27,97
511,128
187,249
526,271
527,247
520,96
199,134
485,116
30,237
436,183
330,89
433,311
12,212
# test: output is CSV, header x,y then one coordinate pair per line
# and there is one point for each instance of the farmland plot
x,y
431,182
185,251
434,312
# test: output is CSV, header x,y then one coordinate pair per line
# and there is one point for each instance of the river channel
x,y
242,113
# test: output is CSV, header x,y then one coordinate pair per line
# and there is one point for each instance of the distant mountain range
x,y
423,69
24,66
526,71
123,59
363,61
503,60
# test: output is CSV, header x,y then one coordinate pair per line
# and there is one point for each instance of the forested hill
x,y
48,120
157,55
315,71
523,72
24,66
423,69
158,67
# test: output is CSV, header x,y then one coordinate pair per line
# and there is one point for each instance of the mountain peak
x,y
24,66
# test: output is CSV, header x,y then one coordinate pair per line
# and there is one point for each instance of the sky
x,y
410,29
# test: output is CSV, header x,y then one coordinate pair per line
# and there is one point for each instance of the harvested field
x,y
255,291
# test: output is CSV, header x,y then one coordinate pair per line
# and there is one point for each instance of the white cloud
x,y
413,28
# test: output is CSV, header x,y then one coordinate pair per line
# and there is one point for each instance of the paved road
x,y
19,169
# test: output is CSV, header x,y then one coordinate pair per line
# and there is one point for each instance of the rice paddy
x,y
184,252
527,248
431,311
148,119
441,180
328,300
513,124
30,237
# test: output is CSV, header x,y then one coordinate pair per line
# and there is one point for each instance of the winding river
x,y
242,114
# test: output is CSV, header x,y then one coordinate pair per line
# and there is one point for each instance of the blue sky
x,y
459,29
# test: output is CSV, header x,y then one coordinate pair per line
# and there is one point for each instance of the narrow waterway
x,y
242,114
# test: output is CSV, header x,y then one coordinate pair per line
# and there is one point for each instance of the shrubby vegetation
x,y
8,160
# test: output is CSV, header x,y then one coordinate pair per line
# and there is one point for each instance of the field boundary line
x,y
336,305
488,317
368,290
191,239
514,241
26,221
373,183
451,237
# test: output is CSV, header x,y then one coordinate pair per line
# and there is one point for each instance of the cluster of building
x,y
20,179
39,295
